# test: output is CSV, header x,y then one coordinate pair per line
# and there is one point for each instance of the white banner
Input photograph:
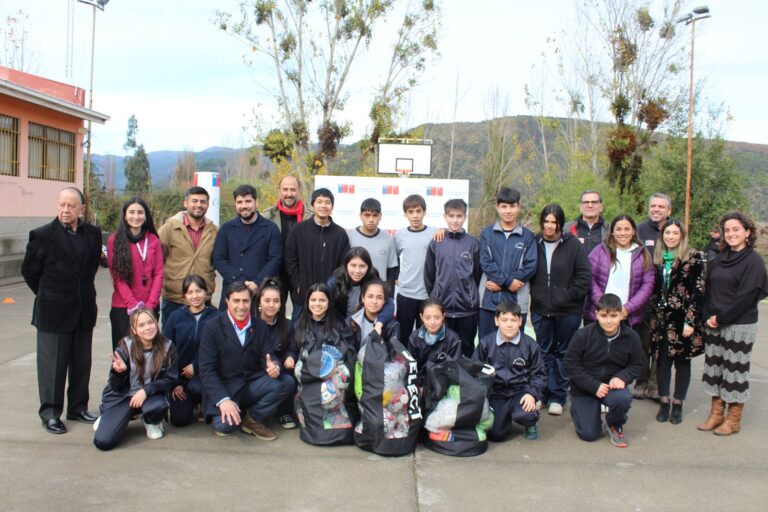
x,y
350,191
211,181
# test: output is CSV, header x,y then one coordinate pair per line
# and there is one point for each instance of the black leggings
x,y
664,374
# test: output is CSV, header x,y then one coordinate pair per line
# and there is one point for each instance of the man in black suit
x,y
238,371
60,267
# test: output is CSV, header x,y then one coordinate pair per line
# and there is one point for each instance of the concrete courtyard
x,y
666,467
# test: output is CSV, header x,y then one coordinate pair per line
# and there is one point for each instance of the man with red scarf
x,y
288,211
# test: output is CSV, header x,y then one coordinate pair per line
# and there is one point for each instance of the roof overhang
x,y
50,102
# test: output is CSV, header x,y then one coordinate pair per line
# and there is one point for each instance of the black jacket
x,y
648,232
591,360
561,291
589,237
226,366
119,384
61,281
312,253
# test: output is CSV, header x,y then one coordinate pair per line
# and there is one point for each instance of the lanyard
x,y
143,253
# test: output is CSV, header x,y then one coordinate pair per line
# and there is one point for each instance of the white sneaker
x,y
555,409
154,431
96,424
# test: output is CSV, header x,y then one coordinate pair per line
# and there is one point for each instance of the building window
x,y
9,146
51,153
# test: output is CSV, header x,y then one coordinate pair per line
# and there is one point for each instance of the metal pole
x,y
87,177
690,138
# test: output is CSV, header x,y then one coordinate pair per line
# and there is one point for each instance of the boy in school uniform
x,y
602,360
452,274
508,257
379,244
520,377
411,244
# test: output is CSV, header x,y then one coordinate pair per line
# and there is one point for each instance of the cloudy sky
x,y
166,62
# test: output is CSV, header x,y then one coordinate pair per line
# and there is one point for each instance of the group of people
x,y
646,300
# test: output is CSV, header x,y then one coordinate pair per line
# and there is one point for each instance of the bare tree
x,y
16,52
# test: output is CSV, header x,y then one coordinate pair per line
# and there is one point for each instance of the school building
x,y
42,129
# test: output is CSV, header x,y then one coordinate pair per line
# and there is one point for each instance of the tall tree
x,y
16,52
311,48
136,165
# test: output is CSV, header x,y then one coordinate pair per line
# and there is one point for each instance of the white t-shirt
x,y
620,274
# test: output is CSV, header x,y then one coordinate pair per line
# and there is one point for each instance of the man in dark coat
x,y
60,267
248,248
239,371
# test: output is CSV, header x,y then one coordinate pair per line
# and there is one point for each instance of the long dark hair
x,y
557,212
121,257
305,320
610,242
273,283
159,343
343,283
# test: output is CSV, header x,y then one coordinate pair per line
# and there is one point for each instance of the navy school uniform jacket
x,y
423,353
452,273
185,333
592,360
251,254
119,384
283,348
518,367
505,258
226,366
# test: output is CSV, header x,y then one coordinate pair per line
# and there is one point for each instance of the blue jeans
x,y
553,334
585,412
259,399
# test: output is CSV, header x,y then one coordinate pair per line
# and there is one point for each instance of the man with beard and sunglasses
x,y
248,248
187,240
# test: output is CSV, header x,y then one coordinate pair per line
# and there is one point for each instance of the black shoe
x,y
84,416
55,426
677,414
663,414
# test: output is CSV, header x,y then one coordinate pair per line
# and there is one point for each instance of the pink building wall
x,y
21,196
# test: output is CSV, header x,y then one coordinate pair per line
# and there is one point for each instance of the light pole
x,y
97,4
699,13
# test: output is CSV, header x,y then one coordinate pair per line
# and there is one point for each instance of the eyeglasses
x,y
591,202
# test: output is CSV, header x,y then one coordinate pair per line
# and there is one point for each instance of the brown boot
x,y
716,415
259,430
732,422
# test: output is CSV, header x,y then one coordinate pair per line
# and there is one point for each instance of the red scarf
x,y
297,210
240,324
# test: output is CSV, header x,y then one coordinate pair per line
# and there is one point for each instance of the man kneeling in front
x,y
238,372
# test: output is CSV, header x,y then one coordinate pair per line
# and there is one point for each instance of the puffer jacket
x,y
640,287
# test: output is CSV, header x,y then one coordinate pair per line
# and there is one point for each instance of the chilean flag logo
x,y
435,191
346,189
390,189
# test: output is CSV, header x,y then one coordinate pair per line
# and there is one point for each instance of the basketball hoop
x,y
404,166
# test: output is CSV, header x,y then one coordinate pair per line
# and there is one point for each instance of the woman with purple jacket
x,y
621,265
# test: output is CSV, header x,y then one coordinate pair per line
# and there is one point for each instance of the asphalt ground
x,y
666,467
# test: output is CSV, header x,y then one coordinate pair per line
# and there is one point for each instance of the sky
x,y
184,79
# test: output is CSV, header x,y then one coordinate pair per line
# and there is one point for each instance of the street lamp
x,y
97,4
699,13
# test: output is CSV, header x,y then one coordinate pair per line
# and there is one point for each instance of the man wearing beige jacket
x,y
187,239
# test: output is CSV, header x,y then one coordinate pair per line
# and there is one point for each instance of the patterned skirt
x,y
727,355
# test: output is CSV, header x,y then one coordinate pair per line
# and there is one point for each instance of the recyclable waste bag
x,y
457,410
325,402
387,397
